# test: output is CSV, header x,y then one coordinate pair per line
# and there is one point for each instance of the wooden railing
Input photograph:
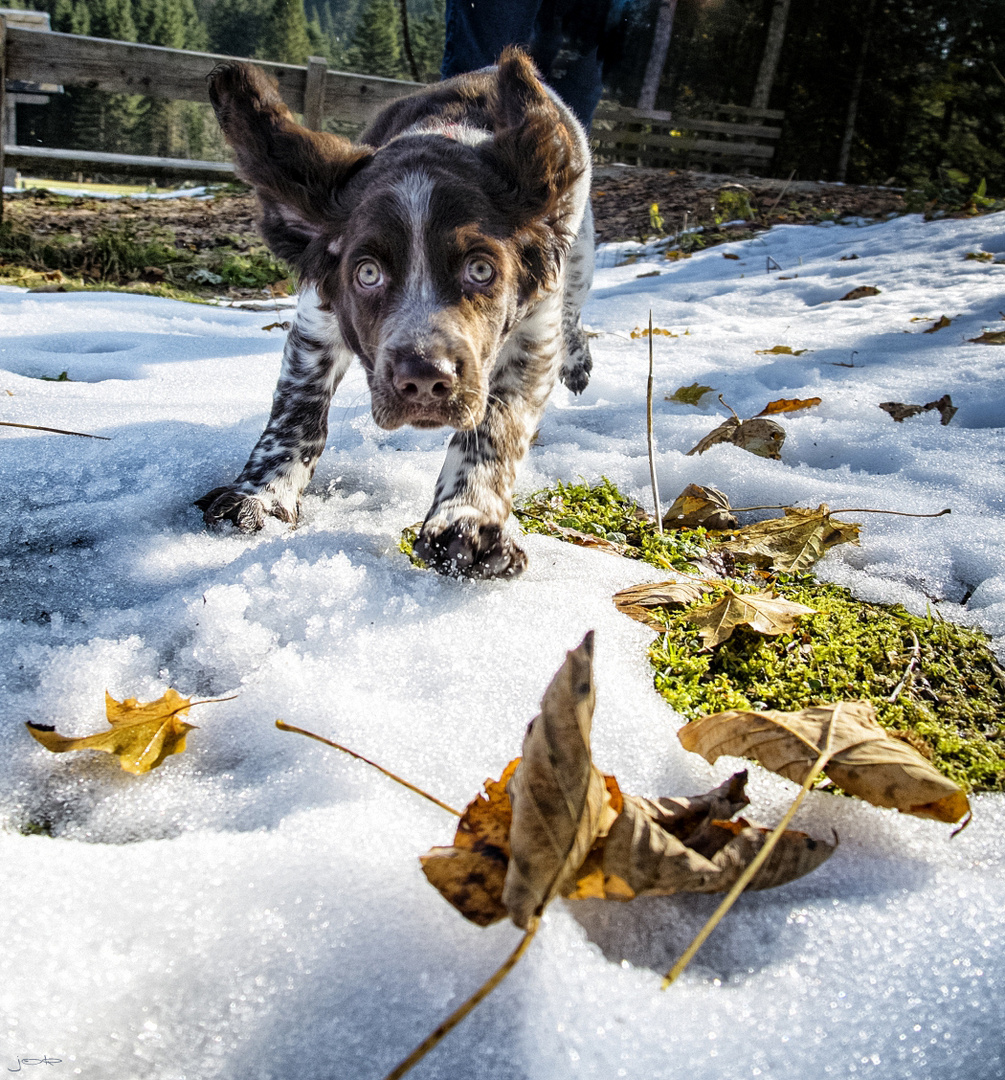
x,y
732,133
43,56
316,92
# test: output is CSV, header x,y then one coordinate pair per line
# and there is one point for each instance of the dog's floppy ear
x,y
533,149
296,172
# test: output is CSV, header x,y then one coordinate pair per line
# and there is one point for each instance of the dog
x,y
451,250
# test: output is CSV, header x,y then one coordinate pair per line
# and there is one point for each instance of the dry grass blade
x,y
448,1025
762,856
649,433
54,430
283,726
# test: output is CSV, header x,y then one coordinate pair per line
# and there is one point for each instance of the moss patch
x,y
601,510
950,707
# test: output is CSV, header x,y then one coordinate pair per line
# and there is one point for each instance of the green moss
x,y
950,707
601,510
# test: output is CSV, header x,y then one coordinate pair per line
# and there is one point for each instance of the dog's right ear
x,y
297,173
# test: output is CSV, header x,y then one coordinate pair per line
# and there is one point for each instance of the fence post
x,y
3,102
314,92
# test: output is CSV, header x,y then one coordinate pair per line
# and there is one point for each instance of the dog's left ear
x,y
533,149
297,173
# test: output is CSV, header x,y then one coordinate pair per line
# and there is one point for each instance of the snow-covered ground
x,y
254,908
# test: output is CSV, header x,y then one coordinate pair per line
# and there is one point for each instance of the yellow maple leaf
x,y
141,736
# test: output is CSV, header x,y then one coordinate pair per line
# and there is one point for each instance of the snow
x,y
254,908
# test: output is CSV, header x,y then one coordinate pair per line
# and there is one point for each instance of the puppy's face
x,y
428,249
428,281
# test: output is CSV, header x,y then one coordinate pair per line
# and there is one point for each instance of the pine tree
x,y
285,37
376,48
236,27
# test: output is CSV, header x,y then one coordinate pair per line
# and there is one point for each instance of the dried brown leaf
x,y
990,337
659,847
785,405
762,611
861,291
560,801
700,507
780,350
637,601
759,436
940,325
794,542
943,405
141,736
864,759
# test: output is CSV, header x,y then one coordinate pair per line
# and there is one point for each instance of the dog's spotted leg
x,y
314,361
463,531
577,363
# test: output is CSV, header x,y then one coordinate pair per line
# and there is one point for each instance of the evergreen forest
x,y
909,94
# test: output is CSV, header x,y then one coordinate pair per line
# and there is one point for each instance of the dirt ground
x,y
622,196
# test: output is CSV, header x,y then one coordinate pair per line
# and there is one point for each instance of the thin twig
x,y
458,1015
759,860
283,726
847,510
994,67
649,432
785,187
914,662
899,513
55,430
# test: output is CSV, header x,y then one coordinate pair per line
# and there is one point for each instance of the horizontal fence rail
x,y
38,56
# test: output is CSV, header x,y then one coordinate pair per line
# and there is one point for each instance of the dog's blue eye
x,y
480,271
369,274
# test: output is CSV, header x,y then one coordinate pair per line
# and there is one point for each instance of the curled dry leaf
x,y
470,874
700,507
862,290
659,847
989,337
762,611
729,255
784,405
940,325
689,395
944,406
554,825
794,542
780,350
864,760
560,801
141,736
761,437
638,601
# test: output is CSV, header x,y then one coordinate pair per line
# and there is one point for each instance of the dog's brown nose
x,y
421,381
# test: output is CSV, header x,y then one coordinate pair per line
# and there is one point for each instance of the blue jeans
x,y
478,31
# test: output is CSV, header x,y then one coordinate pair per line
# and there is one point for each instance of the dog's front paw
x,y
578,362
247,510
469,549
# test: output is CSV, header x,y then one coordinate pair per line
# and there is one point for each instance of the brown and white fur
x,y
450,250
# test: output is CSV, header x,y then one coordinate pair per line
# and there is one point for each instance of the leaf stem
x,y
899,513
759,860
283,726
458,1015
649,432
55,430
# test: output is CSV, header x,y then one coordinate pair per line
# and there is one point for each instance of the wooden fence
x,y
42,56
732,134
45,57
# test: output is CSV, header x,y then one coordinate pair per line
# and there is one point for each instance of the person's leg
x,y
477,31
576,78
